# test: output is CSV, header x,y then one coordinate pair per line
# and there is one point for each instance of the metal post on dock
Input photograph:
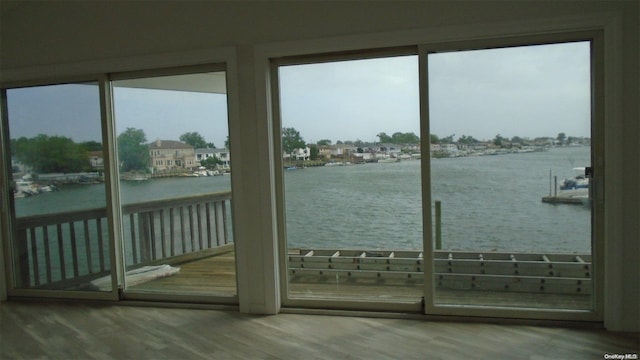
x,y
555,186
438,225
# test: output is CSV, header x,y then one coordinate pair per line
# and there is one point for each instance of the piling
x,y
438,225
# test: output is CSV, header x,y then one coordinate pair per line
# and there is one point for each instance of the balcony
x,y
184,246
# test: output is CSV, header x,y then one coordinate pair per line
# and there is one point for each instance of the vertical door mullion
x,y
114,218
6,201
425,146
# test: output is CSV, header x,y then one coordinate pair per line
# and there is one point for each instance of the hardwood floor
x,y
68,330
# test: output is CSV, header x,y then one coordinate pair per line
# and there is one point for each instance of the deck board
x,y
216,275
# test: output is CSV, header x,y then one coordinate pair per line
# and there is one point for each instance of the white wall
x,y
44,39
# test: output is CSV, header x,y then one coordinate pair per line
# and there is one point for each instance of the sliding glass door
x,y
511,150
175,183
350,168
60,234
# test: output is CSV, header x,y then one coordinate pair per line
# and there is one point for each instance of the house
x,y
96,160
222,155
298,154
172,155
97,41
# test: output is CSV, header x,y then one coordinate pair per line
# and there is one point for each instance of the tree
x,y
133,151
91,146
314,151
324,142
467,140
291,140
561,138
447,139
48,154
405,138
194,139
433,138
210,162
498,140
384,138
226,143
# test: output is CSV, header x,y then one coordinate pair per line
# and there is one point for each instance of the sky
x,y
524,91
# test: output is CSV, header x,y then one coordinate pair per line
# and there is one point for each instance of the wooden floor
x,y
59,330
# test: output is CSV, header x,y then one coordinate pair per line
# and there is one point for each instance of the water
x,y
488,203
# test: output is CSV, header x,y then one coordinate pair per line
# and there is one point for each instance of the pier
x,y
570,197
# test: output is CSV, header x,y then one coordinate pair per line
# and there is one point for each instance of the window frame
x,y
429,308
8,249
275,64
596,38
153,73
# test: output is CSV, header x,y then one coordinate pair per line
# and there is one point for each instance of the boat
x,y
26,187
388,160
576,182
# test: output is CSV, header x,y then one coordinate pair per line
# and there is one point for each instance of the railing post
x,y
23,258
144,233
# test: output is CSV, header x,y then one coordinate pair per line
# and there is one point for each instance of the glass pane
x,y
505,124
61,240
175,184
350,135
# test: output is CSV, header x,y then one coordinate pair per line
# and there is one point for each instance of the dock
x,y
571,197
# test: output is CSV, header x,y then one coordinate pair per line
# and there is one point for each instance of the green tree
x,y
210,162
195,139
433,138
467,140
47,154
384,138
498,140
324,142
133,151
447,139
314,151
91,146
291,140
405,138
226,143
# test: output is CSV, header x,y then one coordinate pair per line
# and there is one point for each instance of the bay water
x,y
489,203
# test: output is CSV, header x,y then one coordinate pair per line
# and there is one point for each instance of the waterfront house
x,y
223,155
172,155
96,160
298,154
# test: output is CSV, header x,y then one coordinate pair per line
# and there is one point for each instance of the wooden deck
x,y
216,275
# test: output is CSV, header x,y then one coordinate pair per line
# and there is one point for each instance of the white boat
x,y
26,187
577,182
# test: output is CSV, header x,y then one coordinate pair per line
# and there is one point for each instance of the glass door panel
x,y
351,175
175,184
511,137
61,238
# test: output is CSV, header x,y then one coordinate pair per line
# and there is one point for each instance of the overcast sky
x,y
525,91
